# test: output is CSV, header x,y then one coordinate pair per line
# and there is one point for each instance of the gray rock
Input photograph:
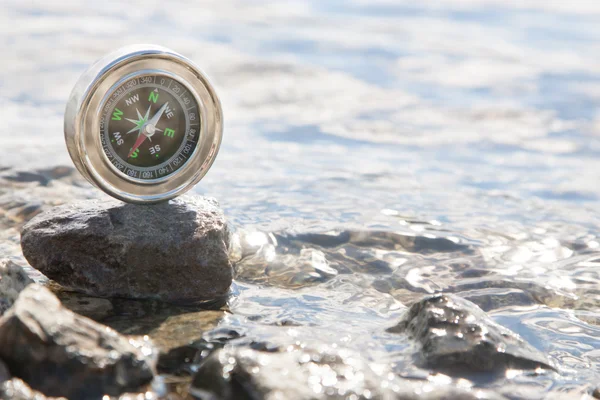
x,y
455,335
175,251
267,372
240,373
80,358
12,280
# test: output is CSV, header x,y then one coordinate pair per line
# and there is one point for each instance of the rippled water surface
x,y
374,152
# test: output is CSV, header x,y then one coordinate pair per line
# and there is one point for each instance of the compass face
x,y
149,126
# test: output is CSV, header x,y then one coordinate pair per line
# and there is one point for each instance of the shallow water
x,y
374,152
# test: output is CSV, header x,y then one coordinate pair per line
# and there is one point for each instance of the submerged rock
x,y
12,280
63,354
175,251
306,268
24,194
240,373
95,308
456,335
268,372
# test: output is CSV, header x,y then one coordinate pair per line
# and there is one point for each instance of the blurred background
x,y
337,109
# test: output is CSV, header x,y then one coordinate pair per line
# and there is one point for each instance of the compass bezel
x,y
84,110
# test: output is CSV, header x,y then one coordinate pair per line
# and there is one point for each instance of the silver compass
x,y
143,124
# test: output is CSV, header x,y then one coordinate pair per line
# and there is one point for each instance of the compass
x,y
143,124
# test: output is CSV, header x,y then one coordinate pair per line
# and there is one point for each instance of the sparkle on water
x,y
374,152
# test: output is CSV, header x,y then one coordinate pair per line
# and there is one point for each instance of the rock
x,y
181,329
175,251
12,280
80,358
456,335
270,372
95,308
236,373
308,267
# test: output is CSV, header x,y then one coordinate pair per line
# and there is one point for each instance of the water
x,y
391,149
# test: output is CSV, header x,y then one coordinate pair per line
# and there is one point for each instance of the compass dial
x,y
149,126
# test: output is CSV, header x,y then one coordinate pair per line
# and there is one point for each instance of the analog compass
x,y
143,124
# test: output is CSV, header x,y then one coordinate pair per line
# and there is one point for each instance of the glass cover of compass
x,y
149,126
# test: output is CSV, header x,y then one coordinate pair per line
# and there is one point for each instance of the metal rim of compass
x,y
83,113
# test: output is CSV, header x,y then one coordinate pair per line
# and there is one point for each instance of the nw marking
x,y
132,99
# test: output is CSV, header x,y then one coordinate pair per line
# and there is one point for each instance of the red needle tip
x,y
137,144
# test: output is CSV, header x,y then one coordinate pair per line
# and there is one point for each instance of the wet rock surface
x,y
283,290
456,335
175,251
305,373
318,292
13,279
245,373
80,359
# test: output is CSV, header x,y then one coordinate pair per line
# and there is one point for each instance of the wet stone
x,y
175,251
95,308
494,298
13,279
319,372
306,268
81,359
242,373
455,336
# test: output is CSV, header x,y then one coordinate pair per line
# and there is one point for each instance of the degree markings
x,y
165,84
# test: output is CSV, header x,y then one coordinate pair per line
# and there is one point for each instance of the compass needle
x,y
156,163
137,144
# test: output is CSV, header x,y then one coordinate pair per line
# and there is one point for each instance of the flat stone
x,y
175,251
455,335
80,358
13,279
